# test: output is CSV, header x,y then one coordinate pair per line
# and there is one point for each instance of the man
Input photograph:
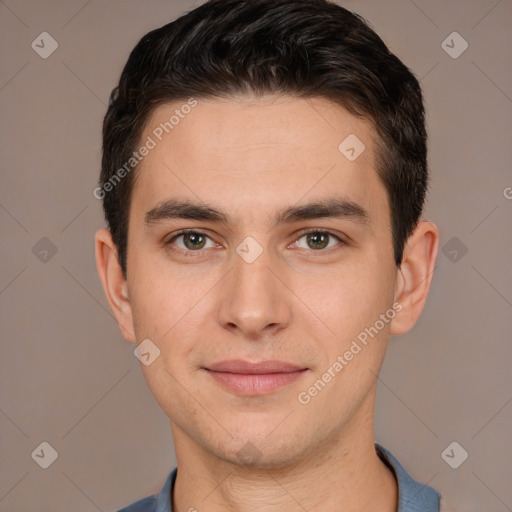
x,y
263,176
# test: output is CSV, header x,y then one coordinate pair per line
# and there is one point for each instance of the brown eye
x,y
318,240
191,241
194,240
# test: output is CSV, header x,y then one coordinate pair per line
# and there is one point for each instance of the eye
x,y
191,241
316,240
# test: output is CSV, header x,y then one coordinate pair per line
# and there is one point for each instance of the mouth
x,y
254,379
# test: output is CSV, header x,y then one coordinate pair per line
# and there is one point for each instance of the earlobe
x,y
114,283
414,275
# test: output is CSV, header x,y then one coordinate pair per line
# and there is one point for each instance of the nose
x,y
254,302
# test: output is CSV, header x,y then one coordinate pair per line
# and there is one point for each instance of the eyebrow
x,y
335,207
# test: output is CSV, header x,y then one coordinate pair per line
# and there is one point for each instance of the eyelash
x,y
195,254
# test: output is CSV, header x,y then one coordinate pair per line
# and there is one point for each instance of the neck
x,y
344,473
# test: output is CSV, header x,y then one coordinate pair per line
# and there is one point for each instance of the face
x,y
285,260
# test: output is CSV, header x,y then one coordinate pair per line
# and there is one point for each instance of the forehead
x,y
252,155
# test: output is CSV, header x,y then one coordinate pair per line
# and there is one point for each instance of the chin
x,y
259,451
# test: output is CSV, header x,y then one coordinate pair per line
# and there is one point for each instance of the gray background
x,y
69,378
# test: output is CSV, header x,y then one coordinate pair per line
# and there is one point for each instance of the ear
x,y
114,283
415,275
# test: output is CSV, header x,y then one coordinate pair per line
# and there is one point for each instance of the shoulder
x,y
147,504
157,502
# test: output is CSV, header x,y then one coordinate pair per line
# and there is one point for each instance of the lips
x,y
252,379
248,368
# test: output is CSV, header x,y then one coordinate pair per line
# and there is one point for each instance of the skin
x,y
296,302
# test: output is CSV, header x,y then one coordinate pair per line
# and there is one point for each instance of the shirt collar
x,y
412,495
163,503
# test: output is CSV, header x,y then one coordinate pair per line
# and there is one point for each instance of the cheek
x,y
350,298
172,312
159,298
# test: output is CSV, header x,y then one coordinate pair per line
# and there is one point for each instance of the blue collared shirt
x,y
412,496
